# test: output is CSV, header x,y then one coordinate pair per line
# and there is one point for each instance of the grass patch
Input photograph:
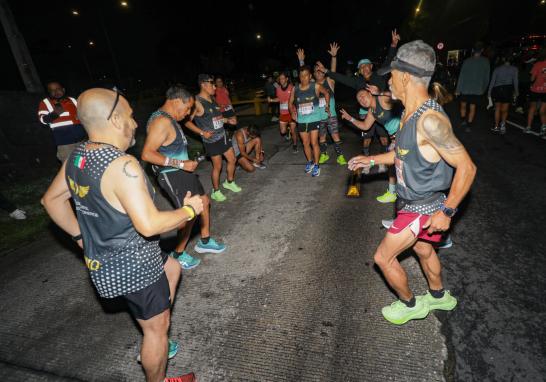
x,y
25,194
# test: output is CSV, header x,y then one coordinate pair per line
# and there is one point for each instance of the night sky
x,y
157,42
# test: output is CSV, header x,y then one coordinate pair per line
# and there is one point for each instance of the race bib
x,y
218,122
322,102
306,108
284,106
228,107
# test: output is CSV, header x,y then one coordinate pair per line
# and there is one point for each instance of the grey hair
x,y
178,92
420,54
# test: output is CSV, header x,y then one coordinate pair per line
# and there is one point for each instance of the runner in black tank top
x,y
166,147
425,155
207,121
117,223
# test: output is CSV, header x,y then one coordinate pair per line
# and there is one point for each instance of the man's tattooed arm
x,y
127,171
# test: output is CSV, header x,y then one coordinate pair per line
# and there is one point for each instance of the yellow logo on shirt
x,y
402,152
81,191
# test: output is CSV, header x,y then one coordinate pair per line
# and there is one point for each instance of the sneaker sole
x,y
385,202
188,267
446,307
445,246
418,315
236,191
206,250
315,175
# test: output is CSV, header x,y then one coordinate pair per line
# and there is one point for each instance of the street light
x,y
124,4
75,12
91,43
258,36
542,2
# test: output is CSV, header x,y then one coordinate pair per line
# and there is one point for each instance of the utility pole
x,y
20,51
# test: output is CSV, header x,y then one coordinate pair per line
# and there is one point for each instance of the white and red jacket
x,y
66,126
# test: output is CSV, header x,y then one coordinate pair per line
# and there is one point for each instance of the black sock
x,y
437,293
323,147
410,303
205,240
229,181
337,147
176,255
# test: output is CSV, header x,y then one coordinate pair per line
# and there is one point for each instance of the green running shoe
x,y
324,157
231,186
218,196
448,302
387,197
398,313
341,160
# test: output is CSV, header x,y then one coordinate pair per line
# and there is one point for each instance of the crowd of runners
x,y
116,221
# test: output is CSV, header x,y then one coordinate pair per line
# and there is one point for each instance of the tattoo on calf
x,y
126,172
440,134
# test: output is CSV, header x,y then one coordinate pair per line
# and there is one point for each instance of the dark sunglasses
x,y
118,94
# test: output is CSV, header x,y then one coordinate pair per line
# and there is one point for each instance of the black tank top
x,y
381,114
119,259
211,120
177,149
416,178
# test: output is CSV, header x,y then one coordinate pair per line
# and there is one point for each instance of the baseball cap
x,y
364,61
416,58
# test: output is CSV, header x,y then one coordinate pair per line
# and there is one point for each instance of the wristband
x,y
201,133
372,163
302,62
180,164
190,211
77,237
352,120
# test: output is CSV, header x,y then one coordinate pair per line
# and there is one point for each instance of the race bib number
x,y
284,106
322,102
218,122
228,107
306,108
399,166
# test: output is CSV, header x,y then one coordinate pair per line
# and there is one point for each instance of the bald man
x,y
116,223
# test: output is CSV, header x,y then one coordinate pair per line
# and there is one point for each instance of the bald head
x,y
94,105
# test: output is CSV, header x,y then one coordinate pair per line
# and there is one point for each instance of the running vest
x,y
307,104
322,101
119,259
386,117
177,149
284,97
417,178
246,139
211,120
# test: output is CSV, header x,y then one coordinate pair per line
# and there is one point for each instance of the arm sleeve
x,y
492,82
352,82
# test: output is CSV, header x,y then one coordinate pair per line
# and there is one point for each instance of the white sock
x,y
392,188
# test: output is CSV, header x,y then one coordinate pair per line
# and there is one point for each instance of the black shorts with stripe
x,y
177,183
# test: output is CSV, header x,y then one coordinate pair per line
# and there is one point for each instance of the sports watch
x,y
449,212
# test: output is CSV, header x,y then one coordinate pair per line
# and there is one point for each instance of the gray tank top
x,y
418,179
211,120
120,261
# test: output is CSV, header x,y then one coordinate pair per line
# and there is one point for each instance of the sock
x,y
323,147
437,293
215,189
230,181
205,240
392,188
176,255
410,303
366,151
337,147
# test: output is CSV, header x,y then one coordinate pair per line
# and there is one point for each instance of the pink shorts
x,y
415,223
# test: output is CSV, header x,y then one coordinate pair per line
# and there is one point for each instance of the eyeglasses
x,y
118,93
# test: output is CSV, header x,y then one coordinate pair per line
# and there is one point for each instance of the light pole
x,y
20,51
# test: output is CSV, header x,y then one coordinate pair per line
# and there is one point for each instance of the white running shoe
x,y
387,223
18,214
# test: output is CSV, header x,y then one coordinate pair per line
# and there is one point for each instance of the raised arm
x,y
301,56
365,125
437,132
334,48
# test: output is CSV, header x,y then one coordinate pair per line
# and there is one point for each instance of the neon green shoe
x,y
218,196
341,160
387,197
398,313
448,302
231,186
324,157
